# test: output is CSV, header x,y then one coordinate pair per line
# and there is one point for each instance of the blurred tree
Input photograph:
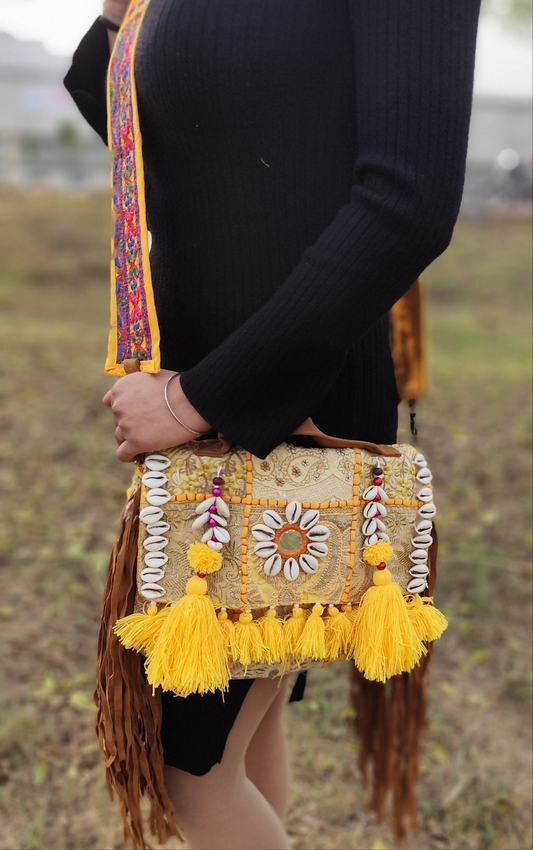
x,y
518,13
69,136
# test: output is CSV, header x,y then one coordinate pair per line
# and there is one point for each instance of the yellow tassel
x,y
292,630
338,632
273,637
351,612
141,631
229,631
385,640
190,654
248,645
312,642
429,623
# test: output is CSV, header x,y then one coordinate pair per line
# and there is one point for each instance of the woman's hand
x,y
142,418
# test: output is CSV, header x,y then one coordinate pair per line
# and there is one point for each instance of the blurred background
x,y
61,489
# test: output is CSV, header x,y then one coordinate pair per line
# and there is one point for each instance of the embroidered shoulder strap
x,y
134,334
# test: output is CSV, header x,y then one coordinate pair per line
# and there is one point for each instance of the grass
x,y
61,492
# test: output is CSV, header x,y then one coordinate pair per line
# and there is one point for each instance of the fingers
x,y
119,436
126,453
107,399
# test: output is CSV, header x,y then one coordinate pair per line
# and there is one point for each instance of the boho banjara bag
x,y
232,566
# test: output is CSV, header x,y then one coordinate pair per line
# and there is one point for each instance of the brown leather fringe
x,y
390,720
129,716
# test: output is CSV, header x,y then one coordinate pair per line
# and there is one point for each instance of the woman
x,y
304,164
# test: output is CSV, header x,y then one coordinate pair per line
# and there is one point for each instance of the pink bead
x,y
213,509
201,575
212,522
217,491
214,538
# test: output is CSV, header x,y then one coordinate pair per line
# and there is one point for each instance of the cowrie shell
x,y
291,570
382,535
205,505
318,533
155,559
419,556
417,585
157,496
422,541
155,544
320,550
420,460
381,525
425,494
419,571
215,544
425,525
222,534
222,507
373,509
309,564
265,549
427,511
201,520
158,528
220,520
152,591
424,475
272,519
150,514
208,535
293,512
156,462
369,527
383,493
372,540
154,479
370,492
273,565
152,574
309,519
262,532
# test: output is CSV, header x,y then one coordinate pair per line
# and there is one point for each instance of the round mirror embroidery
x,y
290,541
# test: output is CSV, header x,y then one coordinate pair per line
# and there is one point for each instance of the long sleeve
x,y
86,79
414,63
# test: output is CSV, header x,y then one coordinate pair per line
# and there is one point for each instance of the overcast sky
x,y
503,60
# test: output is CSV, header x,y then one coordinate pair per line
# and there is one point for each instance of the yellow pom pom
x,y
203,559
378,553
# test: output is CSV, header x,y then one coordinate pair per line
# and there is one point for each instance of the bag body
x,y
302,558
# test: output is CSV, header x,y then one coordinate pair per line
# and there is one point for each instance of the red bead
x,y
378,481
377,498
378,470
382,566
201,575
218,481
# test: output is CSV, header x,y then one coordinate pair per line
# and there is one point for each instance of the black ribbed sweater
x,y
304,163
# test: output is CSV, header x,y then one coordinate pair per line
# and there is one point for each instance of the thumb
x,y
107,399
125,453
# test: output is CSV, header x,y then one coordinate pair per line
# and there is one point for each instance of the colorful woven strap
x,y
134,333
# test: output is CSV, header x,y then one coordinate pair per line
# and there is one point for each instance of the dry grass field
x,y
61,491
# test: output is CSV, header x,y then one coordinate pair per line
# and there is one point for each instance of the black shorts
x,y
195,728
